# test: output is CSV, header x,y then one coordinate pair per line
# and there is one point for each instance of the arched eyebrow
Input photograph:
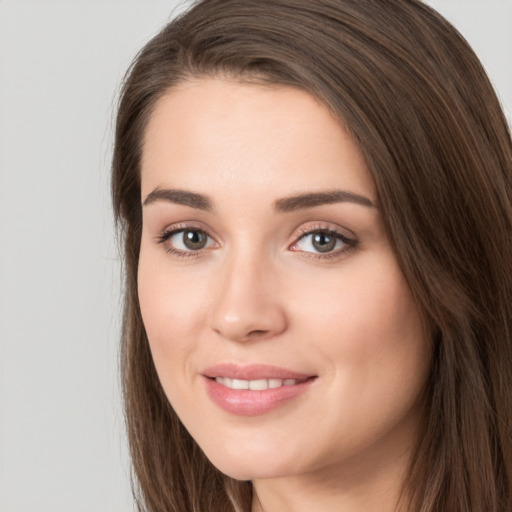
x,y
177,196
310,200
283,205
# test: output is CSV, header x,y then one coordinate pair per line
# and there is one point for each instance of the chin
x,y
246,471
247,465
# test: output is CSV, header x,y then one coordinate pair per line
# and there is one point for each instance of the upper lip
x,y
252,372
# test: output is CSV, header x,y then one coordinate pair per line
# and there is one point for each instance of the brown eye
x,y
194,239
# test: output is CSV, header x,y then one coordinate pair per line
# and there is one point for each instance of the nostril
x,y
257,332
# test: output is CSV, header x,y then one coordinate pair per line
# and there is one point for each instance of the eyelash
x,y
350,243
168,233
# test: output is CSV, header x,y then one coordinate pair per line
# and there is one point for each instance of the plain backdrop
x,y
62,447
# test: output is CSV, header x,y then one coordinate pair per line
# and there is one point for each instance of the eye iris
x,y
323,242
194,240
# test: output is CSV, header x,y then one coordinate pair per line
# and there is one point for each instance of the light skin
x,y
234,271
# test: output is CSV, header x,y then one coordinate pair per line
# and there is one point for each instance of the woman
x,y
315,200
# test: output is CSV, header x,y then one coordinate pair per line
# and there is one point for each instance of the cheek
x,y
173,310
368,307
369,332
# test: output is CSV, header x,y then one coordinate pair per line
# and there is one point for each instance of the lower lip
x,y
247,402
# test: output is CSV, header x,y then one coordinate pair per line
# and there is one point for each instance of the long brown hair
x,y
414,96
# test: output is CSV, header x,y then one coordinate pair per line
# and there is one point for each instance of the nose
x,y
247,302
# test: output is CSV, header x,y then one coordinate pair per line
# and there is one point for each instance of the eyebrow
x,y
310,200
284,205
177,196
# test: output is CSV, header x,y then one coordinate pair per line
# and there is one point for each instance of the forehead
x,y
213,132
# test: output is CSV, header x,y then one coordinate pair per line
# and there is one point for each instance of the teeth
x,y
256,385
239,384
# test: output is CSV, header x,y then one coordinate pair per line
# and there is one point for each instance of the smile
x,y
251,390
257,384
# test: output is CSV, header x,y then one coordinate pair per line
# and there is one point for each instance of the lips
x,y
253,389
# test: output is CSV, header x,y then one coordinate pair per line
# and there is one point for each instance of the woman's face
x,y
265,264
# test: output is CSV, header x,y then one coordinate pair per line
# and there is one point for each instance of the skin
x,y
261,292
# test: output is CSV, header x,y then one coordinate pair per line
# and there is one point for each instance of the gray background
x,y
61,430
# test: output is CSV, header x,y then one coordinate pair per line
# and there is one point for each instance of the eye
x,y
183,242
323,242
